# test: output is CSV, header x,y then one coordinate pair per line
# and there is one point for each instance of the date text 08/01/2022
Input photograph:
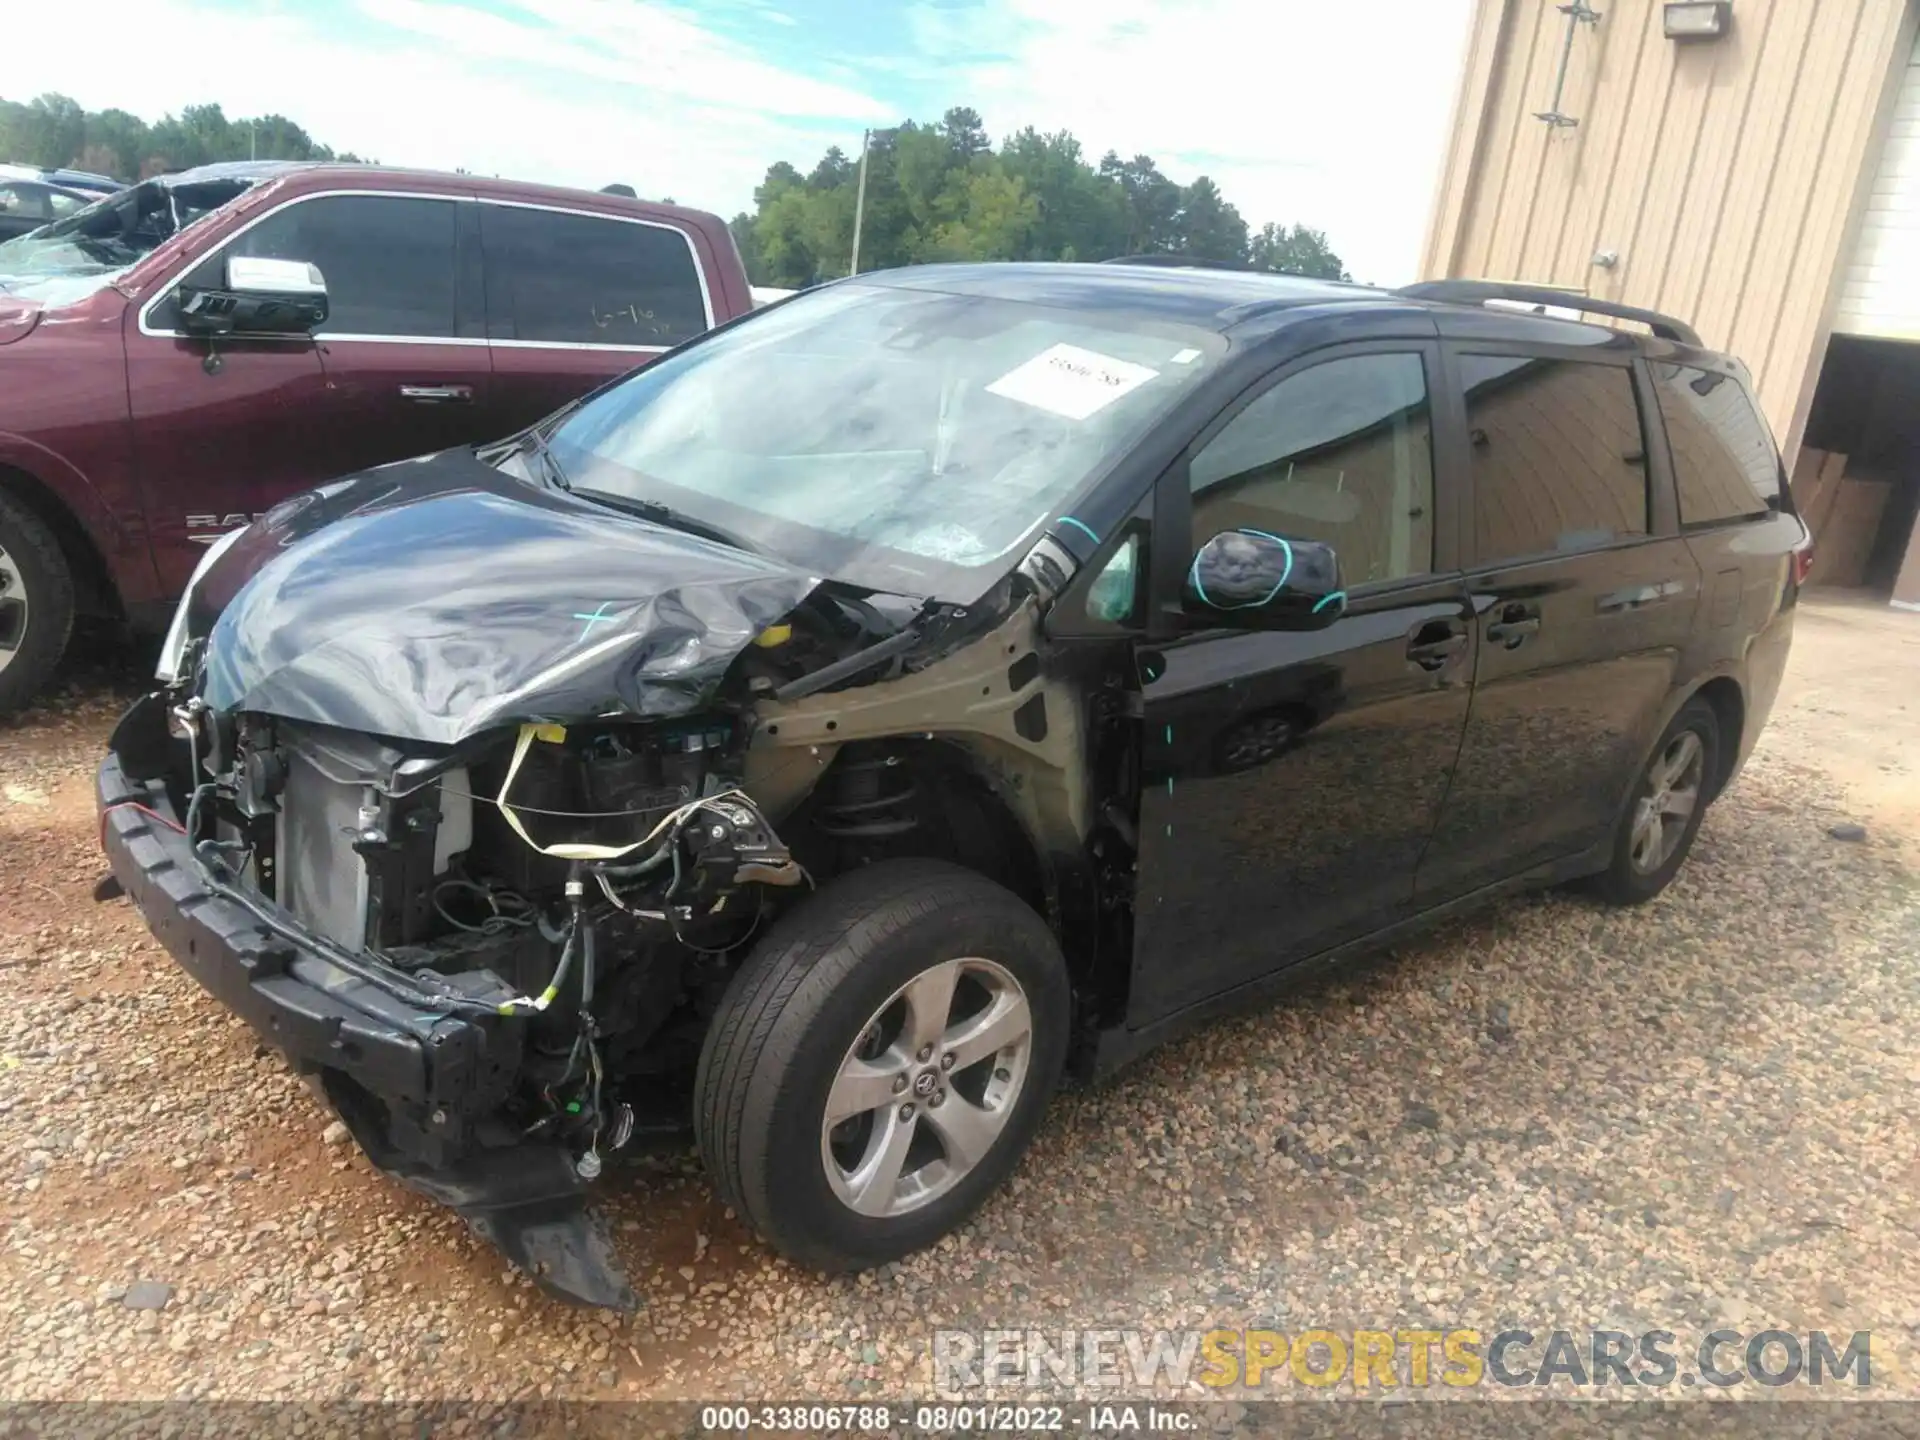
x,y
947,1419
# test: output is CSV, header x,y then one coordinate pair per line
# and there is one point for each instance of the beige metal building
x,y
1752,166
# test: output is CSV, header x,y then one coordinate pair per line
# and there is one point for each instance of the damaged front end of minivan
x,y
472,797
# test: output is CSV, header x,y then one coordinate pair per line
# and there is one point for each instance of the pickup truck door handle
x,y
437,394
1517,621
1433,644
1638,597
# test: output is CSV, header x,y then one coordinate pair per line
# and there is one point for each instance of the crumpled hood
x,y
436,598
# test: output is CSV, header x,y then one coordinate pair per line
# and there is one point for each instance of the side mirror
x,y
1257,581
261,297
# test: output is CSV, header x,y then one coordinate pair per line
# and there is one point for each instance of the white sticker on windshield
x,y
1186,357
1069,381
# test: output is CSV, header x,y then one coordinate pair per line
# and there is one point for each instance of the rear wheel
x,y
880,1063
36,604
1668,804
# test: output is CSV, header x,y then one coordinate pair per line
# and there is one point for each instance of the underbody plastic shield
x,y
524,1199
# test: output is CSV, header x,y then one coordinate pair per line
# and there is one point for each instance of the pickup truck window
x,y
387,261
583,280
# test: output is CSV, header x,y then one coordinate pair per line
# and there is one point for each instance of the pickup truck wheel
x,y
36,604
1669,801
880,1063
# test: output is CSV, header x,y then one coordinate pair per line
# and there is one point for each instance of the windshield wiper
x,y
534,439
671,518
536,442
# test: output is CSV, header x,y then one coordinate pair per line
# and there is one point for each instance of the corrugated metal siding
x,y
1725,173
1880,294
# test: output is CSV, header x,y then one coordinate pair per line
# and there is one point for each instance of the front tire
x,y
881,1062
1669,801
36,604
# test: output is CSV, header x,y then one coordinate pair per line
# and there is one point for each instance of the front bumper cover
x,y
404,1079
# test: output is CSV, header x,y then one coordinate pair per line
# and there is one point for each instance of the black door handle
x,y
1515,624
1433,644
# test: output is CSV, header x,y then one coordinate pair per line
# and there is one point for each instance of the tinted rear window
x,y
1558,459
587,280
1725,466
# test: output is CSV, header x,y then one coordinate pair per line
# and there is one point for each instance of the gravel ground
x,y
1698,1113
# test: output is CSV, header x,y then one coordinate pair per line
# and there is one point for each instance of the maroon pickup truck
x,y
181,355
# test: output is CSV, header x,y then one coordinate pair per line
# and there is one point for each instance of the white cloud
x,y
650,48
1326,114
1332,115
568,106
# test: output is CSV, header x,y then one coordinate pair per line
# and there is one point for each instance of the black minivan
x,y
930,686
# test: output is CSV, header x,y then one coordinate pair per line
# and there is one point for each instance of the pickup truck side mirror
x,y
261,297
1252,580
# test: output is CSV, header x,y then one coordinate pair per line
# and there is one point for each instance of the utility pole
x,y
859,202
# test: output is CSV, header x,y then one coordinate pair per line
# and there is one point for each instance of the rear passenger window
x,y
1725,466
1559,459
387,261
1342,453
583,280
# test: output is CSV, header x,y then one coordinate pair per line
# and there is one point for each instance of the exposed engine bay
x,y
553,911
583,883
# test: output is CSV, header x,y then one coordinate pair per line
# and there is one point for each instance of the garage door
x,y
1880,294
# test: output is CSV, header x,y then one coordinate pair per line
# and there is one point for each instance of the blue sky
x,y
1331,115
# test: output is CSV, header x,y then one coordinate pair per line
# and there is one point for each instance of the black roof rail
x,y
1174,260
1478,292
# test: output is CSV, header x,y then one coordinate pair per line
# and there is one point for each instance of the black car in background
x,y
942,682
28,204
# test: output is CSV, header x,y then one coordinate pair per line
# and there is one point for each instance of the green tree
x,y
50,132
1079,215
1153,202
1207,227
1295,250
965,132
747,241
996,215
121,136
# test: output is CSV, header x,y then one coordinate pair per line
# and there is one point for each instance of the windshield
x,y
98,242
901,439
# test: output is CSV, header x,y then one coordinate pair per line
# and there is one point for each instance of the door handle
x,y
1638,597
1515,625
437,394
1433,644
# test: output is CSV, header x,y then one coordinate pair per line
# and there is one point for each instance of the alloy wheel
x,y
1672,793
13,609
1257,742
924,1093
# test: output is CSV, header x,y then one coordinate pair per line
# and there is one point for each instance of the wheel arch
x,y
94,590
965,814
1729,703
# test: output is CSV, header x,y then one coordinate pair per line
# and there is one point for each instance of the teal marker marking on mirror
x,y
598,617
1329,598
1081,526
